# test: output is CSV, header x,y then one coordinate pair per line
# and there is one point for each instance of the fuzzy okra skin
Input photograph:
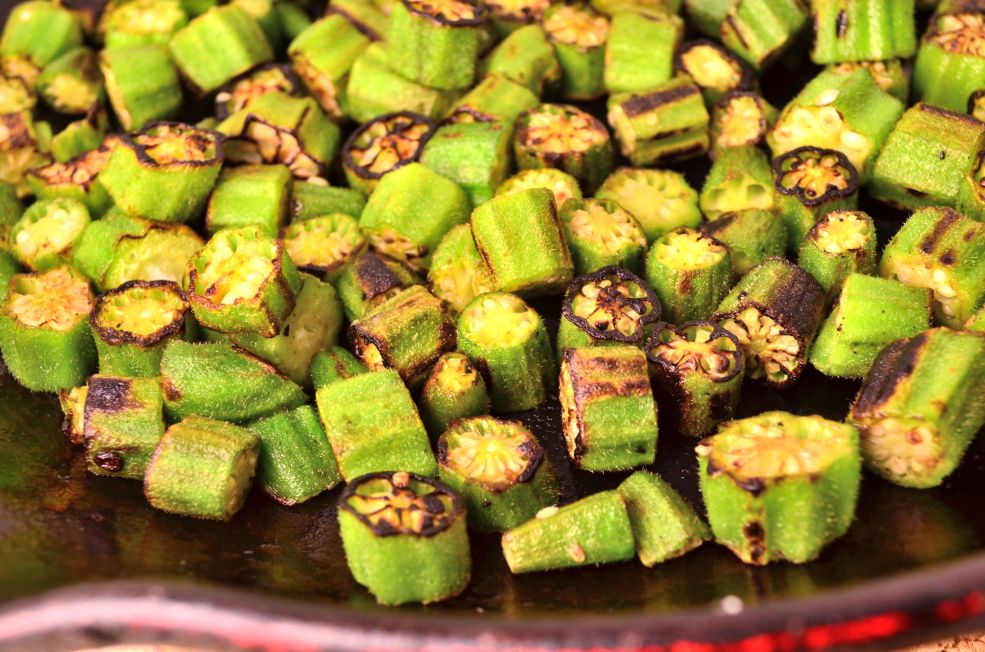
x,y
495,98
141,83
690,272
322,56
202,468
949,67
369,280
579,35
383,145
457,273
453,390
474,155
840,244
250,195
751,236
75,179
123,424
143,22
435,44
241,92
757,30
139,251
600,233
40,31
310,200
591,531
664,525
525,57
780,486
71,84
333,365
81,136
862,30
739,179
402,555
660,200
920,406
47,232
639,52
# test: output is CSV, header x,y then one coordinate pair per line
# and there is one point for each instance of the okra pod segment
x,y
690,272
75,179
563,185
141,22
579,35
40,31
779,486
739,179
405,537
507,16
751,235
123,424
660,200
436,44
71,84
24,147
369,280
383,145
862,30
841,243
324,245
738,119
890,75
322,56
716,70
527,57
240,93
250,195
142,84
46,233
81,136
760,30
495,98
16,94
312,199
950,62
457,273
475,155
137,250
664,525
640,49
453,390
333,365
600,233
372,19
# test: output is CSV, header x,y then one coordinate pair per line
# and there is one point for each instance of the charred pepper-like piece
x,y
123,424
240,93
579,35
950,62
738,119
370,280
600,233
324,245
383,145
751,236
40,31
660,200
457,273
664,525
322,56
71,84
475,155
690,272
527,57
453,390
251,195
141,22
333,365
46,233
436,44
716,70
639,52
841,243
739,179
862,30
141,83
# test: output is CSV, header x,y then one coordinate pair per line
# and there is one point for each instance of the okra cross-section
x,y
47,232
740,118
839,244
739,179
71,83
324,245
579,35
780,486
690,272
436,43
457,273
600,233
453,390
610,306
369,280
751,235
715,70
75,179
499,469
951,58
123,424
660,200
382,145
608,414
664,525
563,185
240,93
405,537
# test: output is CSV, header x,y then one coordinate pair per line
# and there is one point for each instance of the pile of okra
x,y
277,243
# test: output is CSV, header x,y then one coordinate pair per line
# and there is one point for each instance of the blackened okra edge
x,y
395,139
102,325
612,304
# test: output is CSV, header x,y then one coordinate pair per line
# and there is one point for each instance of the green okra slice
x,y
405,537
640,49
80,136
137,250
16,94
250,195
950,64
690,272
862,30
697,371
71,83
141,83
241,92
24,147
141,22
600,233
222,382
324,246
123,424
927,158
738,119
453,390
369,280
309,199
202,468
508,342
840,244
871,313
457,273
402,222
133,323
75,180
591,531
847,113
296,462
494,98
666,123
527,57
521,240
664,525
760,30
367,17
716,70
579,35
612,7
810,183
322,56
40,31
779,486
890,75
407,333
242,281
474,155
382,145
563,185
739,179
333,365
44,329
774,311
217,46
72,402
46,233
506,16
435,44
943,251
499,469
564,137
95,249
264,13
920,406
751,236
660,200
373,426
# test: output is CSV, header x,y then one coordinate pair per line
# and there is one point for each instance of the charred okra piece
x,y
507,16
266,16
508,342
871,312
499,469
751,236
564,137
124,422
71,83
639,53
495,98
40,31
435,44
739,179
405,538
44,330
841,243
369,280
240,93
526,57
943,251
74,179
738,119
715,70
383,145
404,223
322,56
579,35
81,136
474,155
333,365
774,311
217,46
457,273
950,64
664,525
133,323
697,371
311,199
141,22
296,462
667,123
251,195
453,390
202,468
862,30
779,486
372,19
73,404
521,240
141,83
920,406
594,530
219,381
25,146
373,426
890,75
756,30
563,185
690,272
46,233
600,233
660,200
610,307
324,245
141,251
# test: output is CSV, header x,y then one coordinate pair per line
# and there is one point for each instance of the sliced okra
x,y
141,22
527,57
373,425
324,245
508,342
495,98
453,390
95,249
23,146
322,56
40,31
774,311
44,330
779,486
690,272
639,52
133,323
579,35
664,525
457,273
564,137
507,16
383,145
920,406
890,75
591,531
367,17
716,70
71,83
862,30
333,365
142,251
950,62
600,233
296,462
141,83
841,243
15,94
369,280
739,179
436,44
242,281
264,13
75,180
738,119
240,93
563,185
474,155
405,537
123,424
943,251
46,233
82,135
500,470
202,468
613,306
751,235
310,200
73,402
660,200
871,313
757,30
250,195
